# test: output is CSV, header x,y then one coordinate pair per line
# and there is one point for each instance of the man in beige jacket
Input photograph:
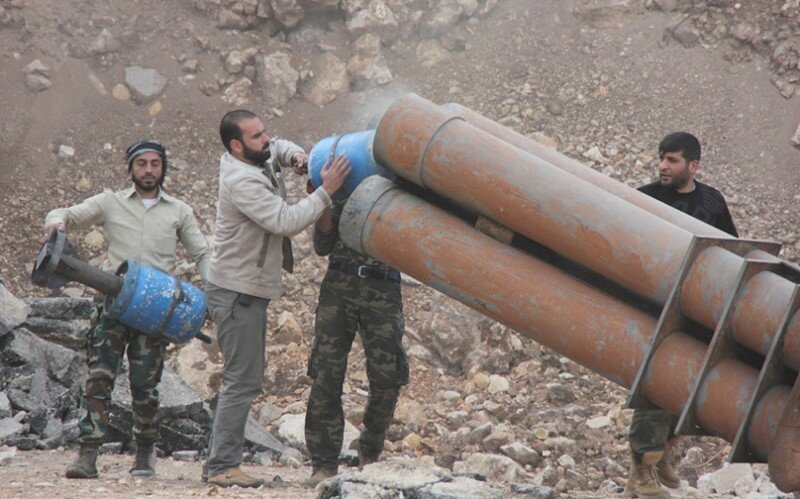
x,y
249,248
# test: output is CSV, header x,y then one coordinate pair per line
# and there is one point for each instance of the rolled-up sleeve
x,y
194,241
325,241
79,215
284,150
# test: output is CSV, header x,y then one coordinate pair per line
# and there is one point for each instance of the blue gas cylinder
x,y
357,147
156,303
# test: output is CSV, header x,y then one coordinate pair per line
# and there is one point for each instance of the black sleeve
x,y
725,221
325,241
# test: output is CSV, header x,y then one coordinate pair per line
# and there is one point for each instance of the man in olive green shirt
x,y
142,223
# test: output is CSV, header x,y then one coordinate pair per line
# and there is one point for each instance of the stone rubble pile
x,y
747,31
315,49
42,371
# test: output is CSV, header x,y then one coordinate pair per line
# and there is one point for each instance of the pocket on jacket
x,y
262,255
165,240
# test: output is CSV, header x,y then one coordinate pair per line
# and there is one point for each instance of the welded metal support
x,y
771,372
672,319
722,345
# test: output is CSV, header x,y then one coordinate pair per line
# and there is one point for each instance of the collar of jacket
x,y
129,192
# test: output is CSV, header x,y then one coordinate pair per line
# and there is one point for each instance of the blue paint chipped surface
x,y
145,301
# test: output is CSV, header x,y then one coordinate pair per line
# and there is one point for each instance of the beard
x,y
256,156
677,181
146,185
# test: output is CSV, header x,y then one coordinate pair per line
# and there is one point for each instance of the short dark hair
x,y
682,142
229,128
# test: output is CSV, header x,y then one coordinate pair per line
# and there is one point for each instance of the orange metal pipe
x,y
757,314
436,149
552,307
785,453
595,178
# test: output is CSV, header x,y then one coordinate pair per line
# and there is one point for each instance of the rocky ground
x,y
600,80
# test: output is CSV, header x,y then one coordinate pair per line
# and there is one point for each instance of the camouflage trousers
x,y
374,308
650,430
106,344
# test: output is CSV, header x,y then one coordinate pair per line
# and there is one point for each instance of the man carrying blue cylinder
x,y
145,224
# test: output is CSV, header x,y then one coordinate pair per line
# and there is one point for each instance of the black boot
x,y
145,464
85,465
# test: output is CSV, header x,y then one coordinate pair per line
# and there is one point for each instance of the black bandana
x,y
143,147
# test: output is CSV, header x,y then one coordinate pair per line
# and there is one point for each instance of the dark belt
x,y
366,271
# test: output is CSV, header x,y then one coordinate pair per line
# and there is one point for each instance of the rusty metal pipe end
x,y
358,208
404,134
784,457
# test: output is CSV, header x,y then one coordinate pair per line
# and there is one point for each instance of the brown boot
x,y
642,481
85,465
666,472
319,475
234,476
145,462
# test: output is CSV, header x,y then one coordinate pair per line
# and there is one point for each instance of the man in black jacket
x,y
679,155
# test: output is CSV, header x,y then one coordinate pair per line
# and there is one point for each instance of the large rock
x,y
376,18
194,365
686,33
460,488
178,434
52,394
144,83
10,428
443,18
492,466
287,12
368,66
71,334
228,19
175,397
330,80
277,77
104,43
37,83
237,93
291,429
287,329
185,419
725,478
64,309
431,53
5,406
402,475
62,364
411,415
259,439
13,311
521,453
237,60
23,401
464,340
